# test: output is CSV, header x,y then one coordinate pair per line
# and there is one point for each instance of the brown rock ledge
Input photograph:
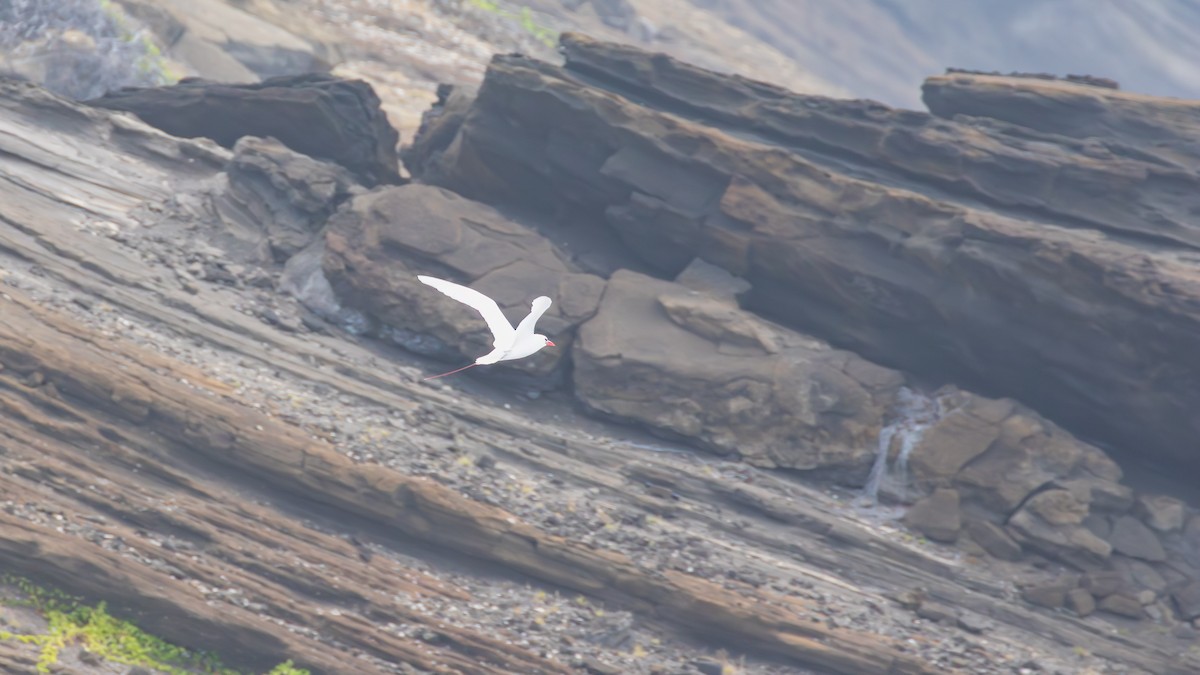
x,y
101,402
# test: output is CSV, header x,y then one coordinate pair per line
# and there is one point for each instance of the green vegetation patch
x,y
71,623
523,18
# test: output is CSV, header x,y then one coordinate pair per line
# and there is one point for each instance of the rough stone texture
x,y
677,189
1102,583
197,500
318,115
1104,495
155,398
1130,537
1080,601
705,277
957,439
1099,524
693,365
1161,512
935,611
1029,454
119,386
998,453
1049,523
1050,595
1146,576
280,195
893,255
379,242
1176,573
439,125
936,516
1122,604
272,490
994,540
1058,507
1187,601
1131,124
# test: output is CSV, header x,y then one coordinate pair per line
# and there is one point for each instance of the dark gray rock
x,y
1102,583
1099,525
1052,594
378,243
1080,601
936,516
439,125
319,115
912,276
694,365
285,195
1161,512
1050,523
1187,600
1146,576
705,277
936,611
1122,604
1130,537
994,540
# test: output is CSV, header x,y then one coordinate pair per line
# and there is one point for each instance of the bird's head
x,y
544,340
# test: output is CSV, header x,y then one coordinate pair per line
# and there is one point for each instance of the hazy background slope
x,y
883,48
878,49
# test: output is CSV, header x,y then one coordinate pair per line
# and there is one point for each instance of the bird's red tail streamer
x,y
457,370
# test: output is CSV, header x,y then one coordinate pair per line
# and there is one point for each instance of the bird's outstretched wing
x,y
525,328
502,330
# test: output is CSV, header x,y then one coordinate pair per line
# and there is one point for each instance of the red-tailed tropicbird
x,y
508,343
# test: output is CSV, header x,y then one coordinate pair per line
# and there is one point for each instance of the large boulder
x,y
378,243
1072,290
319,115
691,364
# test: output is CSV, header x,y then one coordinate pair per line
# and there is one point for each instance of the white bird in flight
x,y
508,343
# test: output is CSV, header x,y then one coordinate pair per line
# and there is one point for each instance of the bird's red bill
x,y
549,343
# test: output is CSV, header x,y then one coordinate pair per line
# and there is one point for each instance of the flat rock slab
x,y
1131,537
379,242
1165,129
693,365
319,115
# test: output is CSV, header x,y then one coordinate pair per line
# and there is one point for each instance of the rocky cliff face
x,y
1044,252
205,410
1054,269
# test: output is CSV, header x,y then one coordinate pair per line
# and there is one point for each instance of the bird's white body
x,y
508,343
